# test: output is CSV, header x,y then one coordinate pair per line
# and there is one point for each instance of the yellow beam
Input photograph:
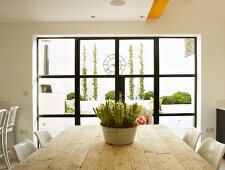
x,y
157,8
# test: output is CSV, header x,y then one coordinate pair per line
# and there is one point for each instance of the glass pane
x,y
177,121
176,56
93,95
142,96
138,89
55,125
90,121
136,57
177,95
54,98
56,56
97,57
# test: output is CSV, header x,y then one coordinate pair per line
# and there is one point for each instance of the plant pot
x,y
119,136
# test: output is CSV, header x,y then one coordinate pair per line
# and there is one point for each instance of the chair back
x,y
3,114
23,149
43,137
11,117
212,151
191,137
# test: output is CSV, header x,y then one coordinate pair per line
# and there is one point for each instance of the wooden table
x,y
82,147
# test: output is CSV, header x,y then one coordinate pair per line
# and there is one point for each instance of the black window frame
x,y
156,76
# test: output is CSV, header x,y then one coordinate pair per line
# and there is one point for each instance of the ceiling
x,y
12,11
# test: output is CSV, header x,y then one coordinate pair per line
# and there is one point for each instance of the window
x,y
177,81
77,74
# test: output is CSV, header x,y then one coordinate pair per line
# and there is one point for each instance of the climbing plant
x,y
95,81
141,71
131,67
84,72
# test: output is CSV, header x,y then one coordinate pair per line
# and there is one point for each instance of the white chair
x,y
23,149
3,115
212,151
43,137
9,127
191,137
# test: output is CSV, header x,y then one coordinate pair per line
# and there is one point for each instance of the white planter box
x,y
177,108
51,103
180,122
87,106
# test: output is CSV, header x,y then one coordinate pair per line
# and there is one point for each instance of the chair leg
x,y
3,151
14,136
6,150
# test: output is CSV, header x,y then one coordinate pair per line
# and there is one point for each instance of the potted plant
x,y
118,121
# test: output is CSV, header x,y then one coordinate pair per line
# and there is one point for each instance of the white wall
x,y
182,17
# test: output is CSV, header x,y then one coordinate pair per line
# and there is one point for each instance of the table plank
x,y
164,161
164,150
71,146
193,161
151,141
127,157
77,149
44,156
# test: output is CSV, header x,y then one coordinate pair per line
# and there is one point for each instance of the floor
x,y
222,167
2,164
179,132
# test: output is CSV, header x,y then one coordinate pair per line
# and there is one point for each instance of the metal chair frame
x,y
3,117
9,127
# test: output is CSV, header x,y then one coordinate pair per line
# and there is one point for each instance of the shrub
x,y
167,100
177,98
110,95
84,72
141,71
95,80
69,106
131,67
181,98
148,95
70,96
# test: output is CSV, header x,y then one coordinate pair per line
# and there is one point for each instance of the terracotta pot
x,y
119,136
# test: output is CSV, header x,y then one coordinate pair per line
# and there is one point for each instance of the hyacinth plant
x,y
117,114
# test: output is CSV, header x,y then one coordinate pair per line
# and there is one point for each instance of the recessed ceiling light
x,y
117,2
93,16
